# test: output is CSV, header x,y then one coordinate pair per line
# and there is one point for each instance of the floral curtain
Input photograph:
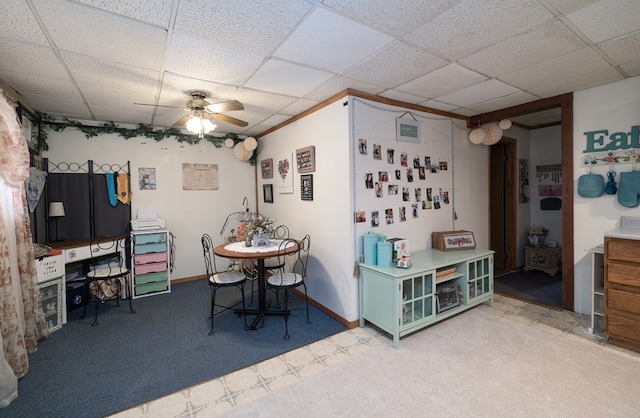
x,y
22,322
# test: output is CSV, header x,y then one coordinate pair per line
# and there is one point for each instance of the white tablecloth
x,y
239,247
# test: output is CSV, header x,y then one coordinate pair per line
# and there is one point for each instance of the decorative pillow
x,y
591,185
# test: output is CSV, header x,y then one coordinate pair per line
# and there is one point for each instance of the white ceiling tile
x,y
632,68
395,64
442,81
202,59
504,102
402,96
25,83
482,92
474,24
566,6
97,72
606,19
31,59
156,12
112,110
285,78
17,22
542,44
434,104
257,26
103,34
57,106
328,41
336,84
298,107
274,120
394,17
580,62
579,82
623,51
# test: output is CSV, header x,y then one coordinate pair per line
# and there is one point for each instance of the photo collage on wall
x,y
405,178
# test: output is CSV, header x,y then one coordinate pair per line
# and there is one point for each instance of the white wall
x,y
614,107
188,214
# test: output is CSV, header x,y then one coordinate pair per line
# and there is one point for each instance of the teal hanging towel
x,y
111,189
591,185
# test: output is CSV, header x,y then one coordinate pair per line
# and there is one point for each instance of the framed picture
x,y
454,240
407,130
306,187
267,168
267,191
306,159
285,172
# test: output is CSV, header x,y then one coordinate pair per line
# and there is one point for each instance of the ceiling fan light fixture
x,y
199,125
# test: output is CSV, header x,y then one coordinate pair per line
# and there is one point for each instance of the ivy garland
x,y
144,130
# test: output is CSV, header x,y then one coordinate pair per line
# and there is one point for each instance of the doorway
x,y
502,200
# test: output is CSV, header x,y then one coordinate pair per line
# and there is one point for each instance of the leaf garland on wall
x,y
143,130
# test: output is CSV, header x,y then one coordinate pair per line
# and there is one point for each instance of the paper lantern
x,y
241,152
228,143
504,124
250,143
477,136
494,133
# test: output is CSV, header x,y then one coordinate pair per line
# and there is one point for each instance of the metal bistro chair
x,y
220,279
107,277
281,279
272,264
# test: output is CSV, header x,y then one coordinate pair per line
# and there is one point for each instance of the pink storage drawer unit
x,y
149,258
150,268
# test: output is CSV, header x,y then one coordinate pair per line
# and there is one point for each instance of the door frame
x,y
509,209
565,103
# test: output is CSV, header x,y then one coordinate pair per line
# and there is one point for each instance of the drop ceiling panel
x,y
402,96
25,83
329,41
113,111
397,18
155,12
442,81
434,104
198,58
566,6
337,84
504,102
281,77
58,106
258,26
591,79
395,64
545,43
583,61
625,52
474,24
31,59
17,22
607,19
482,92
298,107
128,41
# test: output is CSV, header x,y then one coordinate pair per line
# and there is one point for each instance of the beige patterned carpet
x,y
512,359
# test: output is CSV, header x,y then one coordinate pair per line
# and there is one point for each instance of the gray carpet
x,y
132,358
534,286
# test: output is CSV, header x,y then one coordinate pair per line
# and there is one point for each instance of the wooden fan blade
x,y
148,104
225,106
182,121
229,119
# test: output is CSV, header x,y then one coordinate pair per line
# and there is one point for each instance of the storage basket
x,y
591,185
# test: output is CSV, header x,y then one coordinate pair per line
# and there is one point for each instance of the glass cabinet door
x,y
51,301
417,298
480,272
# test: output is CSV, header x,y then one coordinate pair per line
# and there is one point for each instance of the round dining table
x,y
239,250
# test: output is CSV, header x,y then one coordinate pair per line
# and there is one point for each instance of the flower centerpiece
x,y
536,236
260,228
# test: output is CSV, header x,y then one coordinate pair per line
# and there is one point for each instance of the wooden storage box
x,y
453,240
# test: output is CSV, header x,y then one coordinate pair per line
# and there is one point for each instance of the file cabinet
x,y
150,263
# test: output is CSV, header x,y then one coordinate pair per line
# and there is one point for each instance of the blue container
x,y
370,244
384,254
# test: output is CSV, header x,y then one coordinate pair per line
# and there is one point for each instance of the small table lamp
x,y
56,210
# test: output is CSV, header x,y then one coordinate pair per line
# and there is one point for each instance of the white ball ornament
x,y
477,136
504,124
250,143
241,152
228,143
494,133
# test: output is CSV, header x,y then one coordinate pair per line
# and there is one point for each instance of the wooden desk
x,y
237,250
545,259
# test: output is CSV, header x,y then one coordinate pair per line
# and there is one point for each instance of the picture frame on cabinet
x,y
267,191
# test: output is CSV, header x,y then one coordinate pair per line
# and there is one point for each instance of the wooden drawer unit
x,y
622,292
150,263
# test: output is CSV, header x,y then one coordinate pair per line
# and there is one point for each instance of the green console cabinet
x,y
438,285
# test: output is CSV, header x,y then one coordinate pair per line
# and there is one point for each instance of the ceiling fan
x,y
202,109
